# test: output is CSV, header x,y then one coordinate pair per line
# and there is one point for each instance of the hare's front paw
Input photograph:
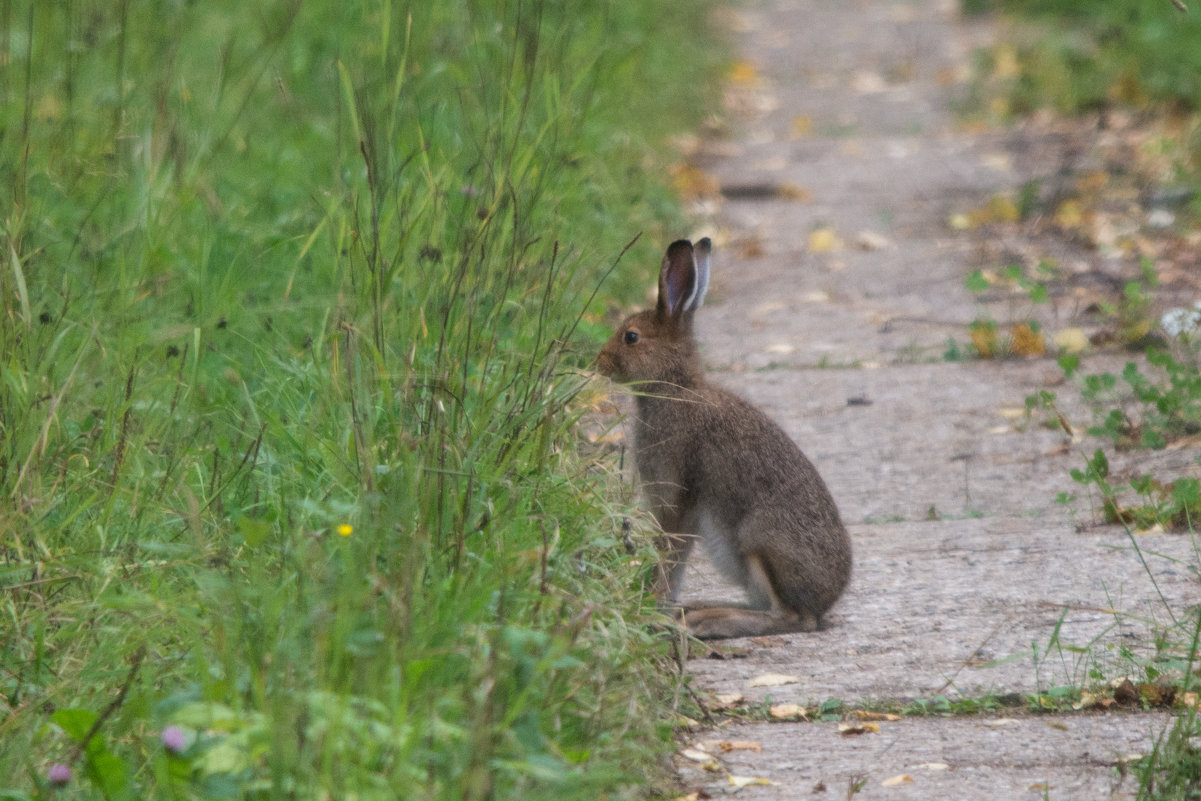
x,y
720,623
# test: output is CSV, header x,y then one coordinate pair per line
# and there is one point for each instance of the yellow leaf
x,y
823,240
746,781
1005,62
897,780
960,222
855,729
745,73
788,191
1027,341
1071,340
788,711
1070,214
692,182
935,766
739,745
773,680
984,339
1002,209
863,714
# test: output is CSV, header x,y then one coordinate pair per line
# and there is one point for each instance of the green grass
x,y
273,273
1090,55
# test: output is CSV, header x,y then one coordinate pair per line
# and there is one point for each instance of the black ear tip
x,y
679,245
705,244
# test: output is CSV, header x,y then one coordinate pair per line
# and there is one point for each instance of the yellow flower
x,y
345,529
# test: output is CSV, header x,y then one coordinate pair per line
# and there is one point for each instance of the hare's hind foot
x,y
716,623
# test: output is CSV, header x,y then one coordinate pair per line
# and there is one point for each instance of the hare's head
x,y
657,344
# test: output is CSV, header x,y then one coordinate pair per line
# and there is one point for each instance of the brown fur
x,y
714,467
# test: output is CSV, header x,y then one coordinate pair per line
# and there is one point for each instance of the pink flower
x,y
174,739
59,775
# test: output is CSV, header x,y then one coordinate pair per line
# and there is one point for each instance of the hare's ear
x,y
681,282
703,248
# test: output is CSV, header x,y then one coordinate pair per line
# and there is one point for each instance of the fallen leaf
x,y
817,296
1012,412
1071,340
750,248
788,711
739,745
1027,341
856,729
1005,63
800,194
802,125
868,83
696,755
780,347
728,700
689,797
745,73
1039,787
897,780
870,240
691,182
863,714
824,240
746,781
935,766
773,680
998,722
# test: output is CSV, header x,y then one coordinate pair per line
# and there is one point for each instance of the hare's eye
x,y
630,337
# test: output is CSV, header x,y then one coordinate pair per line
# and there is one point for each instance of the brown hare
x,y
716,468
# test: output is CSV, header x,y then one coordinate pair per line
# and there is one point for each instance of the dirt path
x,y
832,302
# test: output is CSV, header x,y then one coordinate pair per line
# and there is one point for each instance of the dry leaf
x,y
773,680
691,182
897,780
1027,341
998,722
1071,340
780,347
1012,412
824,240
870,240
696,755
745,781
745,73
689,797
1005,62
1039,787
787,191
728,700
863,714
855,729
802,125
935,766
788,711
739,745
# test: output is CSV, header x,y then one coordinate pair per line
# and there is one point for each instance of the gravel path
x,y
837,287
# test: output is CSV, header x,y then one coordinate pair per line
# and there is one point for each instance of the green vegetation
x,y
294,301
1086,56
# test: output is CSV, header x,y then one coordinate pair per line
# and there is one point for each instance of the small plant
x,y
1022,335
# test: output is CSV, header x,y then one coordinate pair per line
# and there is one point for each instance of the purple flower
x,y
174,739
59,775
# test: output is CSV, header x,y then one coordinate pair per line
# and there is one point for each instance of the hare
x,y
716,468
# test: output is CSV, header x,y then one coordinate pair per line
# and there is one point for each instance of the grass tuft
x,y
296,300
